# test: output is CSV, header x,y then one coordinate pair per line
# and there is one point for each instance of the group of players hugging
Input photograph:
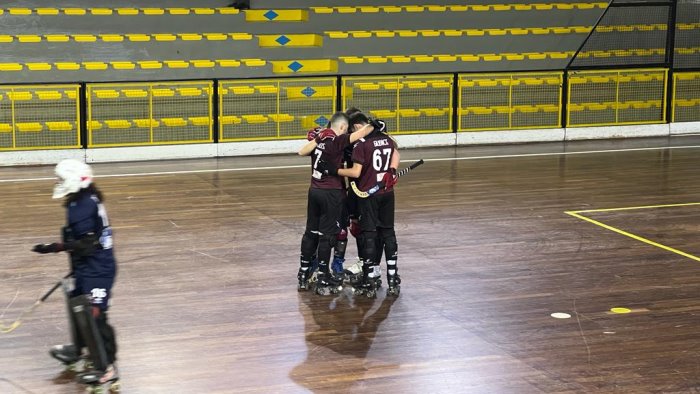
x,y
356,147
352,146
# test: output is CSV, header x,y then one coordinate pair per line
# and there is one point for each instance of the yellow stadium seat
x,y
153,11
416,84
39,66
101,11
204,11
501,7
323,10
203,63
242,90
138,37
164,37
479,110
436,8
60,126
254,62
281,118
576,107
400,59
446,58
118,123
409,113
487,82
190,37
135,93
49,95
67,66
127,11
174,122
47,11
686,103
189,91
95,65
352,59
391,85
200,120
94,125
215,36
549,107
407,33
502,109
383,113
112,37
435,111
29,127
230,119
150,64
440,84
178,11
28,38
84,38
266,89
123,65
526,108
377,59
367,86
177,63
162,92
596,106
146,123
241,36
228,63
106,94
424,58
10,67
20,96
337,34
74,11
253,119
532,81
5,128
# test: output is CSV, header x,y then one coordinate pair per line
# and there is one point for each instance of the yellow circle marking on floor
x,y
620,310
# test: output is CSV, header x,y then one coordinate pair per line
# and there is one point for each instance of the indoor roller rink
x,y
545,268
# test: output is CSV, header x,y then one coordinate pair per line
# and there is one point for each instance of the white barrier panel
x,y
634,131
685,128
37,157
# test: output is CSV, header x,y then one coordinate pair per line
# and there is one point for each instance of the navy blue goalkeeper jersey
x,y
88,215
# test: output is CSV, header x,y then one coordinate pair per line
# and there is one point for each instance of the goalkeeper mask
x,y
72,175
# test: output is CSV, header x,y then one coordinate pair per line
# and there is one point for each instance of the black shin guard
x,y
391,249
108,337
90,332
325,246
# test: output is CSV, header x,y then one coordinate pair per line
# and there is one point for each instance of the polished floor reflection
x,y
206,298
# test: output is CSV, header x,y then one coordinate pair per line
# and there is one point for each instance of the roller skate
x,y
354,273
68,355
100,382
394,282
337,268
307,276
372,280
328,284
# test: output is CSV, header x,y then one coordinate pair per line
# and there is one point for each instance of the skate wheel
x,y
115,387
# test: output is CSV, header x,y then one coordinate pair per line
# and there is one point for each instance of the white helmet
x,y
73,175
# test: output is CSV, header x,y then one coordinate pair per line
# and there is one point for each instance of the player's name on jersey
x,y
383,142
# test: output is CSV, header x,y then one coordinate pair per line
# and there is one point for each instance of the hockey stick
x,y
380,185
8,329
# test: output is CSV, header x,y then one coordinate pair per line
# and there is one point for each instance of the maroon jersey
x,y
374,154
330,151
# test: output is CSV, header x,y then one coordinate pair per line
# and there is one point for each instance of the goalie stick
x,y
8,329
380,185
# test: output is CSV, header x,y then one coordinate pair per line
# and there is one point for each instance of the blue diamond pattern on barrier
x,y
308,92
283,40
295,66
270,15
321,121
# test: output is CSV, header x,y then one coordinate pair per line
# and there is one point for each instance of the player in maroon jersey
x,y
326,199
376,159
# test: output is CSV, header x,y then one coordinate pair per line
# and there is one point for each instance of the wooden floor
x,y
206,299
